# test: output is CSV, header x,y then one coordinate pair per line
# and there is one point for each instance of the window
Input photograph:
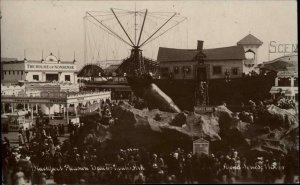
x,y
186,69
9,72
13,72
217,70
35,77
234,71
51,77
5,72
176,70
164,71
21,72
17,72
67,78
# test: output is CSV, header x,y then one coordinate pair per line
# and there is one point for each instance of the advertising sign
x,y
50,67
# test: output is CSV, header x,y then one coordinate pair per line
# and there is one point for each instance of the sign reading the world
x,y
47,67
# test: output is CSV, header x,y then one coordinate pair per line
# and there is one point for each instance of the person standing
x,y
62,130
27,132
188,168
227,76
21,143
19,177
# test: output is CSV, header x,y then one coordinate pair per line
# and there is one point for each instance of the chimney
x,y
200,45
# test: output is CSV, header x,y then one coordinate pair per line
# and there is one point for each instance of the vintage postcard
x,y
144,92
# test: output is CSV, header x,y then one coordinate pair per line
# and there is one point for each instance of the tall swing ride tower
x,y
135,29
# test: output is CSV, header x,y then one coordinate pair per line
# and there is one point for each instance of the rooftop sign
x,y
50,67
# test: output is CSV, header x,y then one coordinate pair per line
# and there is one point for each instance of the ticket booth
x,y
201,146
17,121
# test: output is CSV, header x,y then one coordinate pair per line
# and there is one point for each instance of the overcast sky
x,y
54,26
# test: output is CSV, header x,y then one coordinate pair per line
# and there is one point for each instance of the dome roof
x,y
51,58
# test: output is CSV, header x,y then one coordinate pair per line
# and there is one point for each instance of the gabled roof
x,y
200,140
226,53
172,54
250,39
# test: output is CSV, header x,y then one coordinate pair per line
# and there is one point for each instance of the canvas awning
x,y
288,91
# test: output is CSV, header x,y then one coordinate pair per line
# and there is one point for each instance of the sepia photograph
x,y
149,92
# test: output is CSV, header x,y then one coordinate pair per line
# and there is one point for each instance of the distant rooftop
x,y
34,61
4,59
284,63
90,70
250,40
225,53
112,68
49,59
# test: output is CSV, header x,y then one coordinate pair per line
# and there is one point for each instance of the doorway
x,y
201,74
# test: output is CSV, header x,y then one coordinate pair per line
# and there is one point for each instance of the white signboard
x,y
50,67
203,109
75,121
201,146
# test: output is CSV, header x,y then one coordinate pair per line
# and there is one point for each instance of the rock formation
x,y
154,129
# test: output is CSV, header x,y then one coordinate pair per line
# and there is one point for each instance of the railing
x,y
54,84
80,94
22,96
69,95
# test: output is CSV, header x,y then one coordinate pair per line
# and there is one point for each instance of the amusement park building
x,y
183,63
286,81
48,70
49,84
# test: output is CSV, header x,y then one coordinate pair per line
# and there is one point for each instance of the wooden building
x,y
202,64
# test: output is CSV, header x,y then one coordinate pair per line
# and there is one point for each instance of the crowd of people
x,y
68,165
285,103
256,112
41,155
